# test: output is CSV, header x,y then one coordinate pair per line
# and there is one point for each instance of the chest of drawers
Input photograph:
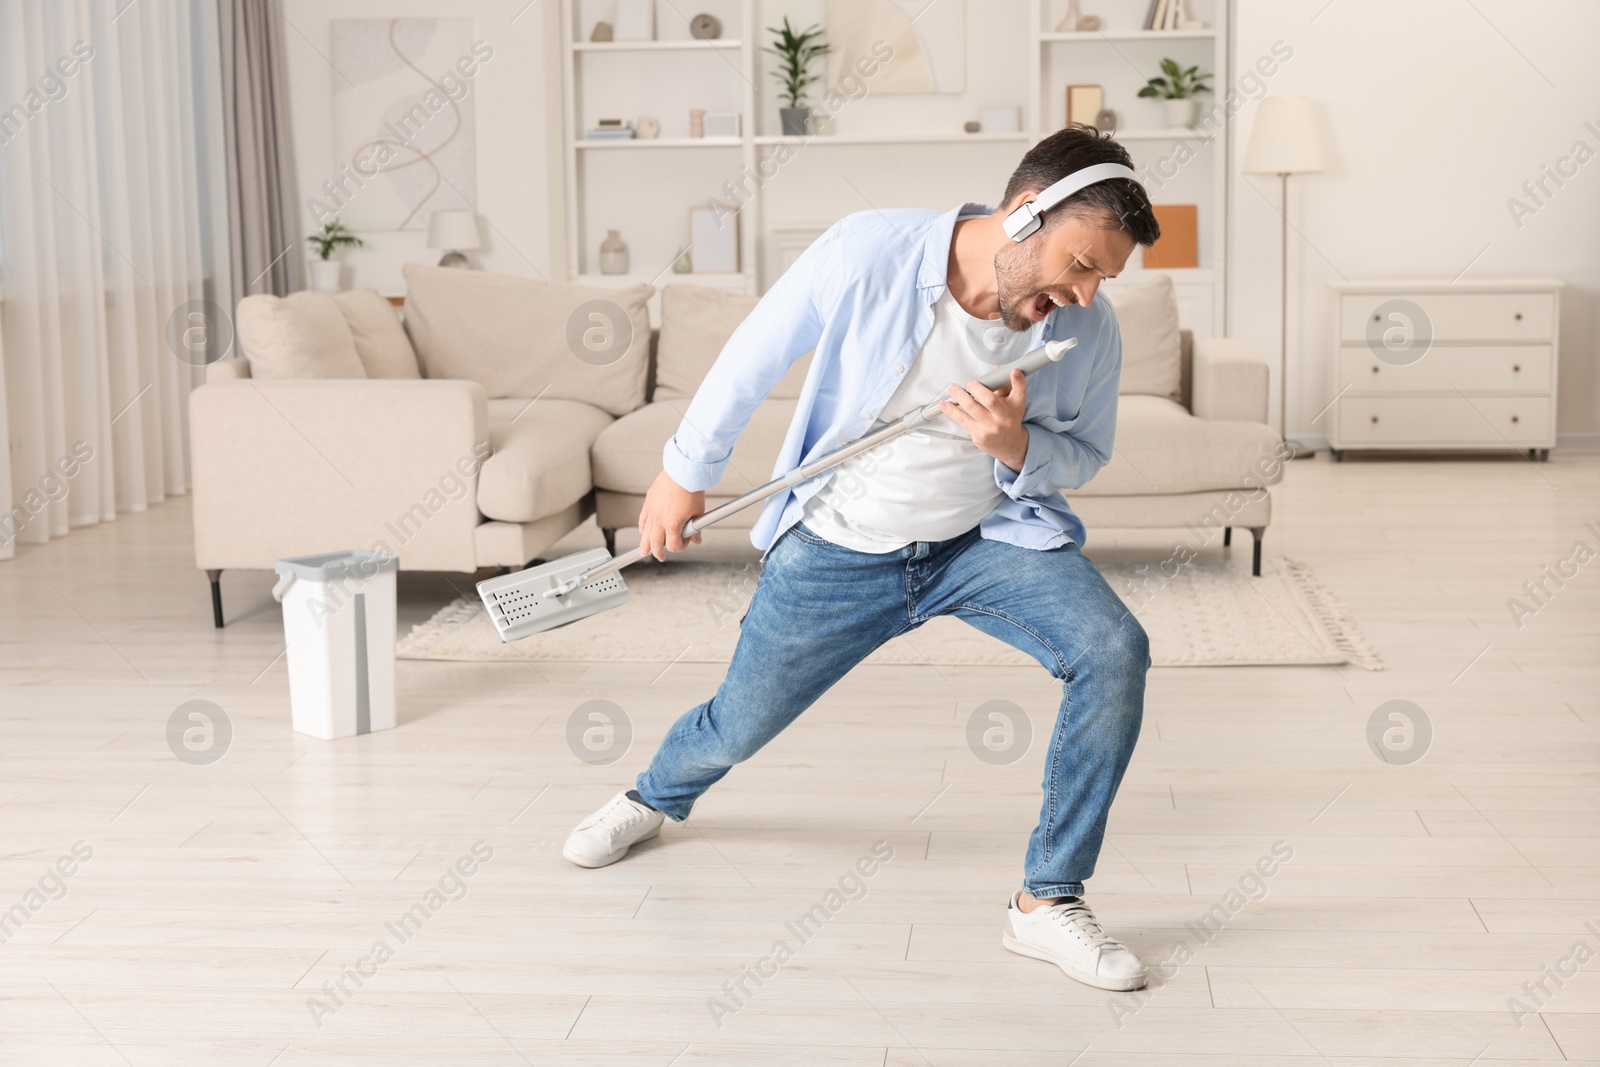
x,y
1440,365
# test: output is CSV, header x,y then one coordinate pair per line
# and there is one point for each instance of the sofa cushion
x,y
541,457
1152,356
519,337
381,341
1161,448
696,322
627,455
303,335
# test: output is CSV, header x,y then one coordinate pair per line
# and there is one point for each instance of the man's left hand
x,y
993,417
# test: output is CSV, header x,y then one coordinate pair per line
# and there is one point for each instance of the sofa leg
x,y
216,597
611,540
1227,536
1257,532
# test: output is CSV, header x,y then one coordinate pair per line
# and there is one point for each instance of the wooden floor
x,y
219,899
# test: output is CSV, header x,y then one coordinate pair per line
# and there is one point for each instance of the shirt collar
x,y
935,271
936,246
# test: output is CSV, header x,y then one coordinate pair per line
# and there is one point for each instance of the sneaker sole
x,y
1116,985
605,861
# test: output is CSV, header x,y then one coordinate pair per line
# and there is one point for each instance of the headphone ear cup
x,y
1021,223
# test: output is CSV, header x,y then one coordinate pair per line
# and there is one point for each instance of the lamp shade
x,y
455,229
1284,139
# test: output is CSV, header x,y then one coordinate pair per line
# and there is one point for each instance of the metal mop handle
x,y
1052,352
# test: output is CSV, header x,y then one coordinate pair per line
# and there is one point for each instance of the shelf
x,y
662,142
1176,133
720,44
1130,35
894,138
1180,275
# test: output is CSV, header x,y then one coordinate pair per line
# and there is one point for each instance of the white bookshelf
x,y
664,177
674,172
1120,58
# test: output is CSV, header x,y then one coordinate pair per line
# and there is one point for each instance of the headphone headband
x,y
1027,219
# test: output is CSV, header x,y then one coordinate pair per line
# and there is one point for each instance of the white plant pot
x,y
325,275
1180,112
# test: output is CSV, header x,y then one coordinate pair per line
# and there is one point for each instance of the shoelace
x,y
618,816
1080,922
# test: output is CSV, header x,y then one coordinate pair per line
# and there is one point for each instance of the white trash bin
x,y
338,623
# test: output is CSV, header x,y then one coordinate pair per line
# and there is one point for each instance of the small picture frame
x,y
722,124
714,238
999,120
636,20
1084,103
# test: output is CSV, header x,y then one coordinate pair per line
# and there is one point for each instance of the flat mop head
x,y
519,608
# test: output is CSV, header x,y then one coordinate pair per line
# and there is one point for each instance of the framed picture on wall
x,y
714,236
1084,103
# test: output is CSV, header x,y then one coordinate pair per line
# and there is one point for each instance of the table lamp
x,y
456,231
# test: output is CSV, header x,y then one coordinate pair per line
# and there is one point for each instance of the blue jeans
x,y
819,609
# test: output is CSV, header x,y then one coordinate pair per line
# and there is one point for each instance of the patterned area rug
x,y
1208,615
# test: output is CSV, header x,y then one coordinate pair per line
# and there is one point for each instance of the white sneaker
x,y
606,836
1068,935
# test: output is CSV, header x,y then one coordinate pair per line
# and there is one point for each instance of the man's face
x,y
1063,263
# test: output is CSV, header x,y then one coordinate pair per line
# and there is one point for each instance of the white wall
x,y
1435,115
517,94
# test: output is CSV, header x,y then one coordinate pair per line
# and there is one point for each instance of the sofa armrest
x,y
227,370
1230,381
285,467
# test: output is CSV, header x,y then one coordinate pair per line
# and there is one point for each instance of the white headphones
x,y
1027,219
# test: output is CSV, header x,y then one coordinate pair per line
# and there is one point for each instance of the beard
x,y
1014,270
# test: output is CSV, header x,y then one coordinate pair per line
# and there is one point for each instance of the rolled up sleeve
x,y
1068,449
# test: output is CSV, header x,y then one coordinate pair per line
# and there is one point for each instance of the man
x,y
964,518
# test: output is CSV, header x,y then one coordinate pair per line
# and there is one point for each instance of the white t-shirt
x,y
933,483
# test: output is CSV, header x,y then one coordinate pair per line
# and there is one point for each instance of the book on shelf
x,y
1150,15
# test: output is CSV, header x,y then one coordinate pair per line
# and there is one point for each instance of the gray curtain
x,y
263,215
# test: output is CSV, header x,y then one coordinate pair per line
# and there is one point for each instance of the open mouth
x,y
1043,304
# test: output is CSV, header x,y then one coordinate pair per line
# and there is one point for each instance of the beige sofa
x,y
505,411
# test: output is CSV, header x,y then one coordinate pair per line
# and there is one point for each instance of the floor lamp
x,y
1284,141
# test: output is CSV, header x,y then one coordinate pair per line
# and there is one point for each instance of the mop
x,y
574,587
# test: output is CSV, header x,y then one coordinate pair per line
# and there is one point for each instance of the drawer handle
x,y
1374,418
1376,319
1374,370
1518,316
1515,419
1516,368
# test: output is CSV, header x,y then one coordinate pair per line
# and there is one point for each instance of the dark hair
x,y
1120,201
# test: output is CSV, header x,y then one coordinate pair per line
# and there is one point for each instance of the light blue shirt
x,y
862,296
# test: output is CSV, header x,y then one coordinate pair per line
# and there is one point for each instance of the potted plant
x,y
796,52
325,269
1178,88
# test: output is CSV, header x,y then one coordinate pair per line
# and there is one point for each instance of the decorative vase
x,y
613,254
1180,112
794,120
325,275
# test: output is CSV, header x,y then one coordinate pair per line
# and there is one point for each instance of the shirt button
x,y
899,368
